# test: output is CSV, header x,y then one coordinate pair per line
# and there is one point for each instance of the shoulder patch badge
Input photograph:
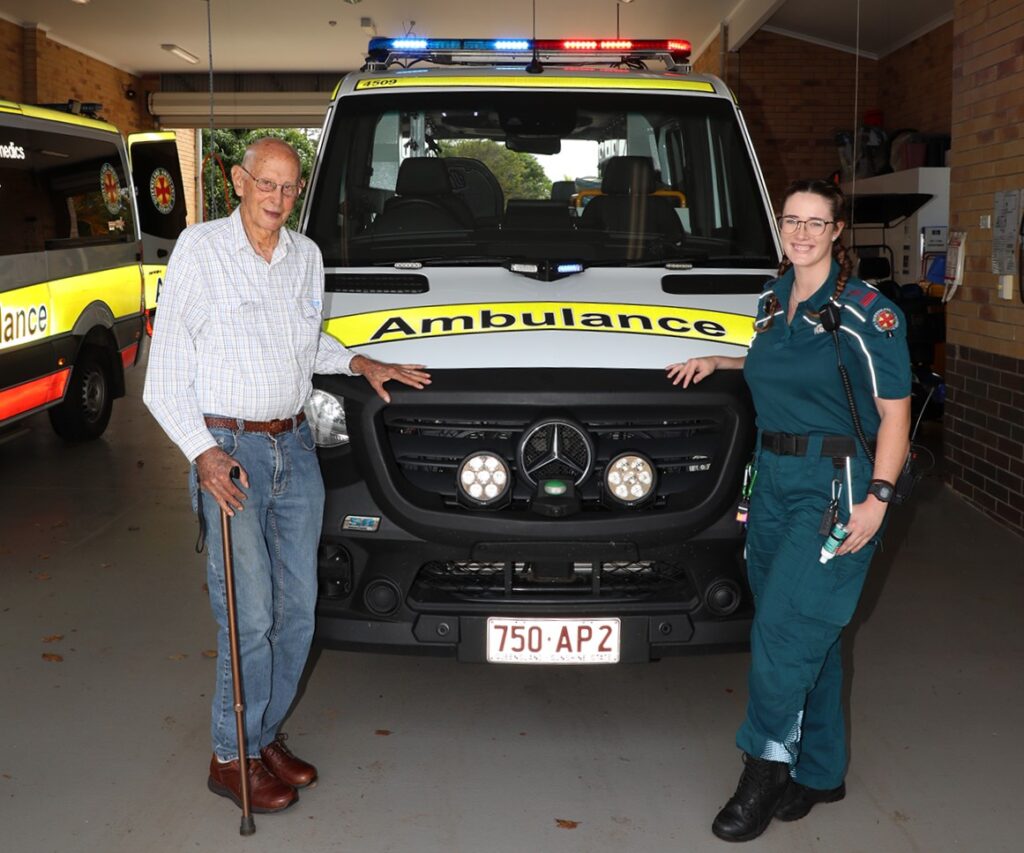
x,y
885,320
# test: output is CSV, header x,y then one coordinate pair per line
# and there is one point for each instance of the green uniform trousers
x,y
795,712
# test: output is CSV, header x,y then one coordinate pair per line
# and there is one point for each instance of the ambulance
x,y
81,234
546,225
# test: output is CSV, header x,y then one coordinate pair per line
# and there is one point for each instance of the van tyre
x,y
85,412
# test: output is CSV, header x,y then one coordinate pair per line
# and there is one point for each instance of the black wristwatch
x,y
882,489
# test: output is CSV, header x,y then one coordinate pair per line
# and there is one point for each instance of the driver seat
x,y
424,200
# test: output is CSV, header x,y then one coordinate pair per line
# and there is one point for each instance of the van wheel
x,y
85,412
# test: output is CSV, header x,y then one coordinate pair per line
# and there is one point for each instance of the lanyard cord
x,y
854,414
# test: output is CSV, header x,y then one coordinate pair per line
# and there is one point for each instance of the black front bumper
x,y
426,579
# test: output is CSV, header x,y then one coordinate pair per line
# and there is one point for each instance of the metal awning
x,y
240,109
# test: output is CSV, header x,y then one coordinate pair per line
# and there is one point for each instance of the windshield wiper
x,y
675,263
441,261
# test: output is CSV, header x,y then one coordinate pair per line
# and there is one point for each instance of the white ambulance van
x,y
546,225
76,225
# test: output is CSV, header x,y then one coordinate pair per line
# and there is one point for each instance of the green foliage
x,y
519,174
228,149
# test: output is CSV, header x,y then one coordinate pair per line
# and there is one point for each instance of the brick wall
x,y
984,425
64,73
795,96
915,84
10,61
186,143
34,69
984,431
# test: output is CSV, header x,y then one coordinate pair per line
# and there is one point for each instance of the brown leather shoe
x,y
285,766
267,792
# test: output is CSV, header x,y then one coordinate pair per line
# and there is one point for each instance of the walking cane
x,y
248,826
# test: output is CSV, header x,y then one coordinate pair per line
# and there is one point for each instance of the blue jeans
x,y
274,544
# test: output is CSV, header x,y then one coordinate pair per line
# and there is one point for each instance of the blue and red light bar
x,y
679,49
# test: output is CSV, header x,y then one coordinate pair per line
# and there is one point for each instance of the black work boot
x,y
757,797
799,800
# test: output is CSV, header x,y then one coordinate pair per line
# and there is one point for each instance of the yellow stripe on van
x,y
52,308
536,82
55,115
432,321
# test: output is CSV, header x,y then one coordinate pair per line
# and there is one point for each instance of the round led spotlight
x,y
484,479
630,479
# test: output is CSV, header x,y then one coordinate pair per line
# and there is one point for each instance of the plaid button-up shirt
x,y
235,335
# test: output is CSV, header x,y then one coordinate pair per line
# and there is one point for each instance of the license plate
x,y
552,640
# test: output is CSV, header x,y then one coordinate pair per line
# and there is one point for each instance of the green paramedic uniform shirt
x,y
791,367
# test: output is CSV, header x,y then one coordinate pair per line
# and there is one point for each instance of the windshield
x,y
487,177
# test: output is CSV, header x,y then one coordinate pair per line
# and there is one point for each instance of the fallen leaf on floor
x,y
178,656
52,658
566,824
133,528
42,576
139,464
206,588
53,638
210,653
44,556
729,690
59,524
383,732
105,565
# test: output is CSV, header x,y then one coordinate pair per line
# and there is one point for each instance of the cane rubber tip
x,y
248,826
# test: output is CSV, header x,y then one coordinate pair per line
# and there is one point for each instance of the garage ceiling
x,y
328,35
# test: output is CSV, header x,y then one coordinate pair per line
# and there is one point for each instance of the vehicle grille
x,y
493,581
428,449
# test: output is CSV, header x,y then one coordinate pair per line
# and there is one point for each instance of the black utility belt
x,y
787,444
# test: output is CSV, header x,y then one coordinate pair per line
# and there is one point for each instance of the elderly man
x,y
237,342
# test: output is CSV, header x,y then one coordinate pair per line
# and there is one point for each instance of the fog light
x,y
484,479
382,597
630,479
723,597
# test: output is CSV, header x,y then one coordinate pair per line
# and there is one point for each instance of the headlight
x,y
630,479
326,415
483,479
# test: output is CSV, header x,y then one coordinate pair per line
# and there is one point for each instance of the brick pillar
x,y
32,46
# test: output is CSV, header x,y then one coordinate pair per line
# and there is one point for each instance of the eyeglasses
x,y
265,185
815,227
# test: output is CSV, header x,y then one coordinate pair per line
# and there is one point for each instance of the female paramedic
x,y
817,503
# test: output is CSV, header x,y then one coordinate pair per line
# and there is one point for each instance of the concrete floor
x,y
106,749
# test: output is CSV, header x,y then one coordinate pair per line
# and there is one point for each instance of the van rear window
x,y
483,177
61,190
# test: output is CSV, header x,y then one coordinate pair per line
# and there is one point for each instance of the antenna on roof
x,y
535,66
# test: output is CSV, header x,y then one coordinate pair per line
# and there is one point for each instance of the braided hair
x,y
837,202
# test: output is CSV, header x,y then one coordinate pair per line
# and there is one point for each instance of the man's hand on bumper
x,y
379,372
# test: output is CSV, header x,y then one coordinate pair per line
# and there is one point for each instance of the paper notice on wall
x,y
1006,221
955,254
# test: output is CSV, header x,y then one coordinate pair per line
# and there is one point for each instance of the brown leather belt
x,y
268,427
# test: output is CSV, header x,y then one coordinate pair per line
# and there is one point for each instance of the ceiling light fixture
x,y
81,2
181,53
